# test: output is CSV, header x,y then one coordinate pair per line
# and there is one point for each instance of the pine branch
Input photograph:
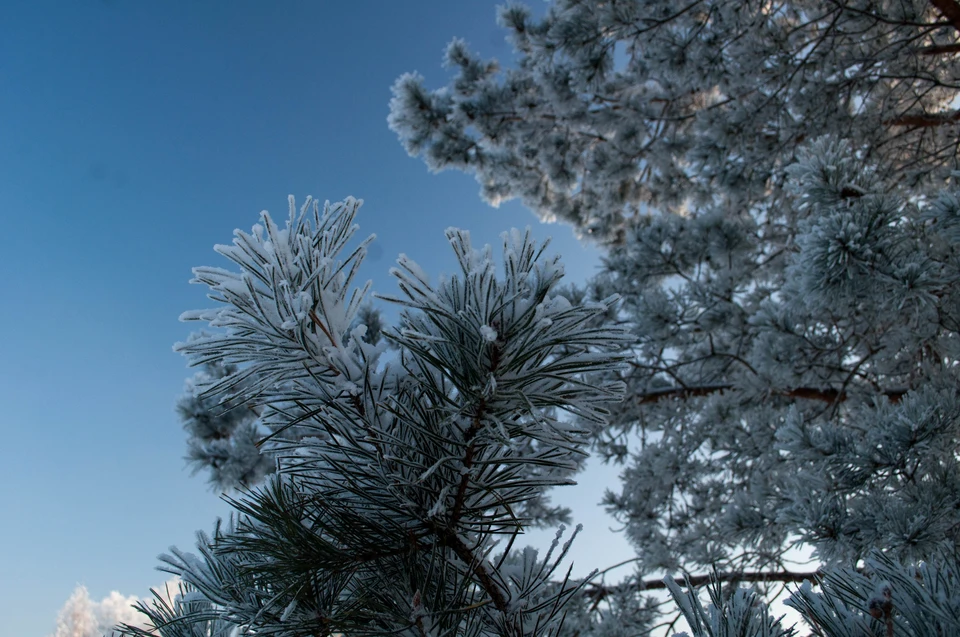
x,y
597,592
924,120
467,465
811,393
459,547
950,10
941,49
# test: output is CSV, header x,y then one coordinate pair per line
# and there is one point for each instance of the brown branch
x,y
811,393
469,434
924,120
940,49
597,592
467,465
950,10
316,321
450,539
448,533
680,392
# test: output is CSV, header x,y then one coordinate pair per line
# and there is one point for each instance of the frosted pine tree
x,y
883,598
774,184
616,106
402,479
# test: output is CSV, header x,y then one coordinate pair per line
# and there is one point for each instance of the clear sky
x,y
133,137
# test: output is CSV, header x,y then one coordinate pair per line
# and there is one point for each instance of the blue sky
x,y
135,136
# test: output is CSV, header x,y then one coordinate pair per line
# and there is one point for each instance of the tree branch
x,y
825,395
924,120
597,592
467,465
950,10
451,539
941,49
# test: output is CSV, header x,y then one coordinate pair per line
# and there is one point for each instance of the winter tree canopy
x,y
397,472
774,183
615,106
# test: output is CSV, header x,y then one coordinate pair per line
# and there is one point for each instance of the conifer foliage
x,y
884,598
617,105
402,478
774,185
773,182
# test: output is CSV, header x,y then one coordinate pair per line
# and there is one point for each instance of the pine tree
x,y
616,106
773,181
402,479
884,598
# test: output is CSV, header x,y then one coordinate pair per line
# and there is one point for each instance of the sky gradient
x,y
135,136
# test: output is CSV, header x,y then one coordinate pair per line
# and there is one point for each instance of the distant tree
x,y
81,616
773,183
76,618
